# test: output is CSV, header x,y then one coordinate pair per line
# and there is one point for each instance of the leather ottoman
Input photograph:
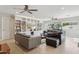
x,y
52,42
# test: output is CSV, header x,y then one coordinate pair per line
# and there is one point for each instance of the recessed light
x,y
62,8
17,12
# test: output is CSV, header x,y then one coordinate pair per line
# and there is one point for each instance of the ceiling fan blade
x,y
29,12
18,8
22,11
33,10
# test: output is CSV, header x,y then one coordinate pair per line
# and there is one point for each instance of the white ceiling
x,y
44,11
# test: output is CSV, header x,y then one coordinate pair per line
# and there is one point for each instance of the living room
x,y
39,29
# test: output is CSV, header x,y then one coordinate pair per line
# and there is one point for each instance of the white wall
x,y
12,26
7,23
0,27
76,18
8,27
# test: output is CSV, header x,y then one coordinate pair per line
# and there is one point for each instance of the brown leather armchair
x,y
4,49
2,52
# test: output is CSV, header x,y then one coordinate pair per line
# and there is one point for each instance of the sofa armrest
x,y
34,42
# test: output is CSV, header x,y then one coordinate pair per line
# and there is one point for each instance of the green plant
x,y
66,24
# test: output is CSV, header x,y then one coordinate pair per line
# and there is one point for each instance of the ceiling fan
x,y
26,8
